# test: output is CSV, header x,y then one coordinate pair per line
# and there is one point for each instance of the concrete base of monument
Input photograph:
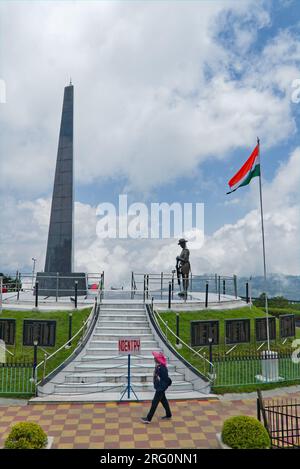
x,y
268,379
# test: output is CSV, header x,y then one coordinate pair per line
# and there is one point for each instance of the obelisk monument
x,y
58,277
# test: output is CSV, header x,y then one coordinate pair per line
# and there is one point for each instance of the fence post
x,y
177,329
161,284
219,288
36,294
224,288
210,355
57,277
70,329
216,282
76,292
169,299
235,286
18,284
173,273
45,364
247,292
35,348
206,295
191,282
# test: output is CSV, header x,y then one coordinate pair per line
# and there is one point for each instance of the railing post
x,y
132,285
45,364
169,299
173,274
235,286
206,295
76,292
161,284
35,349
147,285
36,294
219,288
210,355
57,280
18,283
191,282
247,292
224,288
144,292
70,329
177,329
216,283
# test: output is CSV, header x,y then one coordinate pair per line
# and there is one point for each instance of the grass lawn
x,y
231,375
25,353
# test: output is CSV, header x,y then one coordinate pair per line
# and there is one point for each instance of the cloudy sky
x,y
169,99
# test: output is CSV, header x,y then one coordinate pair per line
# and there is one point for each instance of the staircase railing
x,y
86,328
207,368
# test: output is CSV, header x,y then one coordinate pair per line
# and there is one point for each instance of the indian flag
x,y
248,171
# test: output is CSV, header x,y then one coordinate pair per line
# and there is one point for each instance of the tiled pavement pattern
x,y
112,425
117,425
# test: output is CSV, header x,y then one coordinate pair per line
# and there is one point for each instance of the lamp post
x,y
33,270
35,348
210,341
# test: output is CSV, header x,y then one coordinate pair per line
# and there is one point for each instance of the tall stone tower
x,y
58,278
59,257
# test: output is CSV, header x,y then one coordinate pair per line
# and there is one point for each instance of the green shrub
x,y
243,432
26,435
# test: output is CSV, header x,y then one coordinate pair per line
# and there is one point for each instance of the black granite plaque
x,y
237,331
8,331
287,326
201,331
41,330
261,329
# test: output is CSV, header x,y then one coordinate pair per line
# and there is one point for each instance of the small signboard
x,y
201,331
8,330
2,351
44,331
129,345
287,326
261,329
237,331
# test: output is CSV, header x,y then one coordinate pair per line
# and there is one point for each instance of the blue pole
x,y
128,376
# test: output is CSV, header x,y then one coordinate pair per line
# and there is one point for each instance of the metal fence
x,y
281,419
16,378
247,369
160,285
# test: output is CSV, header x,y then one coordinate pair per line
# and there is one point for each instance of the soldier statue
x,y
183,267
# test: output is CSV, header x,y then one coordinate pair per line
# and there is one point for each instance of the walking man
x,y
161,382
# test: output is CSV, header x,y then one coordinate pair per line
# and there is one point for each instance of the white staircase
x,y
100,373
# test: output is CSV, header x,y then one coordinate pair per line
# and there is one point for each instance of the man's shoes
x,y
166,417
145,420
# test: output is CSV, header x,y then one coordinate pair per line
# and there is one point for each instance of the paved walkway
x,y
113,425
117,425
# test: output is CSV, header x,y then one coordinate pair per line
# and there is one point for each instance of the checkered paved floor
x,y
117,425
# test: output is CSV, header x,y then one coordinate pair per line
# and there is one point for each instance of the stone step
x,y
122,308
122,317
109,359
108,386
123,324
119,335
98,350
124,331
116,377
113,344
107,351
111,366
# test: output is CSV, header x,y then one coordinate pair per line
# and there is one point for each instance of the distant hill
x,y
278,285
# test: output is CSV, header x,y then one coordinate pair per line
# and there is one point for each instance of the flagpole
x,y
264,249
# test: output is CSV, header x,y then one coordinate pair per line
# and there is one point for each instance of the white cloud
x,y
145,108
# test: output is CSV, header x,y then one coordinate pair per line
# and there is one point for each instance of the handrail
x,y
68,341
5,349
178,338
